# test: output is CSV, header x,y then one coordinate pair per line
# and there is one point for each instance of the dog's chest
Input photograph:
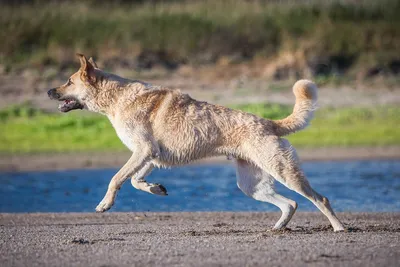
x,y
126,138
124,135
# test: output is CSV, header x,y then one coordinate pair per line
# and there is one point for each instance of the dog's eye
x,y
69,82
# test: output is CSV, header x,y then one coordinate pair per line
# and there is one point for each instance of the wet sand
x,y
197,239
92,160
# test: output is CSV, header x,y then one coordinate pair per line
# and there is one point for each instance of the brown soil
x,y
92,160
220,85
80,160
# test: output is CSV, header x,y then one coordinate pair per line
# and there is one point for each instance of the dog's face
x,y
79,88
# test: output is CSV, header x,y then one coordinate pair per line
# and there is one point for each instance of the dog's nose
x,y
52,93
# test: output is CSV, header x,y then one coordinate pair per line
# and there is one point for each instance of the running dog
x,y
164,127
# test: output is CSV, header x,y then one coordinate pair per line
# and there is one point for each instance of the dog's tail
x,y
303,111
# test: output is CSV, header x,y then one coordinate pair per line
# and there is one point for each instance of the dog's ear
x,y
91,60
86,66
87,69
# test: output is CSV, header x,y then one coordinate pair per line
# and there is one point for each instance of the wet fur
x,y
164,127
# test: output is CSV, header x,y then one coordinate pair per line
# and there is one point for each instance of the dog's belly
x,y
181,156
165,162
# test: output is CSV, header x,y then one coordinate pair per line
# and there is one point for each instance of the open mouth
x,y
69,104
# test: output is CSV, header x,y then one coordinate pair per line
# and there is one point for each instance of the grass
x,y
336,34
27,130
345,127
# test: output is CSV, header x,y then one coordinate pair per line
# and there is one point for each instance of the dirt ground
x,y
202,84
93,160
197,239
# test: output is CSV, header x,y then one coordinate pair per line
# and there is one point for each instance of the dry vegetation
x,y
318,38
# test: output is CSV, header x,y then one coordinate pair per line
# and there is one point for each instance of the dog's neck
x,y
110,90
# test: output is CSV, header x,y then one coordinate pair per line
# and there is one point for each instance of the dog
x,y
164,127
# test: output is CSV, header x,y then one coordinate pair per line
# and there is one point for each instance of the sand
x,y
197,239
93,160
31,86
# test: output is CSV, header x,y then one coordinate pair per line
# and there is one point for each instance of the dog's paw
x,y
158,189
339,230
338,227
104,206
280,230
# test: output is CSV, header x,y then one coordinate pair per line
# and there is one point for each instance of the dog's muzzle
x,y
52,93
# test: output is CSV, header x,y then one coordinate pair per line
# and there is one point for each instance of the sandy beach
x,y
94,160
197,239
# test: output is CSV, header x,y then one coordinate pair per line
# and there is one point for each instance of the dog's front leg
x,y
139,182
134,165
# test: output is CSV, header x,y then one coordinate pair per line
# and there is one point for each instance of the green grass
x,y
26,130
339,33
344,127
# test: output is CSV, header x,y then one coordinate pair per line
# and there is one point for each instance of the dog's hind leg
x,y
285,167
297,182
256,183
138,181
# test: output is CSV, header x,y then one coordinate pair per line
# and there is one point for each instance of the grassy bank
x,y
324,37
26,130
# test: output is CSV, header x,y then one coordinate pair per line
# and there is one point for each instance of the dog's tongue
x,y
66,102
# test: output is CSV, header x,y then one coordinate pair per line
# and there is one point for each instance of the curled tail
x,y
303,111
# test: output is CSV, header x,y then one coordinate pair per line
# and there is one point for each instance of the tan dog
x,y
163,127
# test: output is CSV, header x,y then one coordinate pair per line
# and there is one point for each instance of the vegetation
x,y
329,37
352,126
28,130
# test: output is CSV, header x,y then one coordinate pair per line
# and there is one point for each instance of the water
x,y
351,186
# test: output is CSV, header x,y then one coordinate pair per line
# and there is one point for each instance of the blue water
x,y
350,186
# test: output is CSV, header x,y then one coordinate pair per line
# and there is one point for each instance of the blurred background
x,y
245,54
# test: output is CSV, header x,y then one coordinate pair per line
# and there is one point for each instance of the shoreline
x,y
197,239
96,160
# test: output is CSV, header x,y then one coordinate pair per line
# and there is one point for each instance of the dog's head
x,y
80,88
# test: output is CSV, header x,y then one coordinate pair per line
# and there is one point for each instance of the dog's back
x,y
187,129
